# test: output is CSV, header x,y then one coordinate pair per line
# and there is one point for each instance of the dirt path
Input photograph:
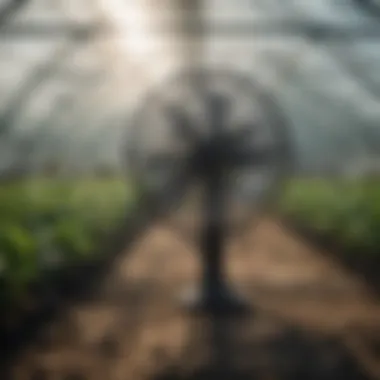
x,y
310,320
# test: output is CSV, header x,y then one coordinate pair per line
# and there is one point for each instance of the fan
x,y
211,147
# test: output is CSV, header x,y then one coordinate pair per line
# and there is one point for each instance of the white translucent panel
x,y
81,106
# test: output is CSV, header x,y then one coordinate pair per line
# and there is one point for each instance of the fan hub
x,y
211,158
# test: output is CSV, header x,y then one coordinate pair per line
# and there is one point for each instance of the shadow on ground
x,y
260,348
305,314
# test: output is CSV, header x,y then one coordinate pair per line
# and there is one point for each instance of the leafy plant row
x,y
348,211
46,224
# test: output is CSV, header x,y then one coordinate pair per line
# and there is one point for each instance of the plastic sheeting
x,y
78,112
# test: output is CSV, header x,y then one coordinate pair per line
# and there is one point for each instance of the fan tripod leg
x,y
214,294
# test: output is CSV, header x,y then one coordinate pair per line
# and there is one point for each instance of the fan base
x,y
219,300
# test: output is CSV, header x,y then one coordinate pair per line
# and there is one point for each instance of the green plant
x,y
41,218
349,211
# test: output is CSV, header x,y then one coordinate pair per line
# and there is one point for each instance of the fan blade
x,y
241,135
176,189
161,161
253,157
183,127
218,107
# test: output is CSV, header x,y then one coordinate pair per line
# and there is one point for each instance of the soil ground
x,y
309,320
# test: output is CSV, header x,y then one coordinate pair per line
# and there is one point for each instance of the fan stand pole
x,y
213,281
214,294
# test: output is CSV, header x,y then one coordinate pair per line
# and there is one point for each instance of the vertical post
x,y
213,176
216,295
192,31
212,254
212,238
